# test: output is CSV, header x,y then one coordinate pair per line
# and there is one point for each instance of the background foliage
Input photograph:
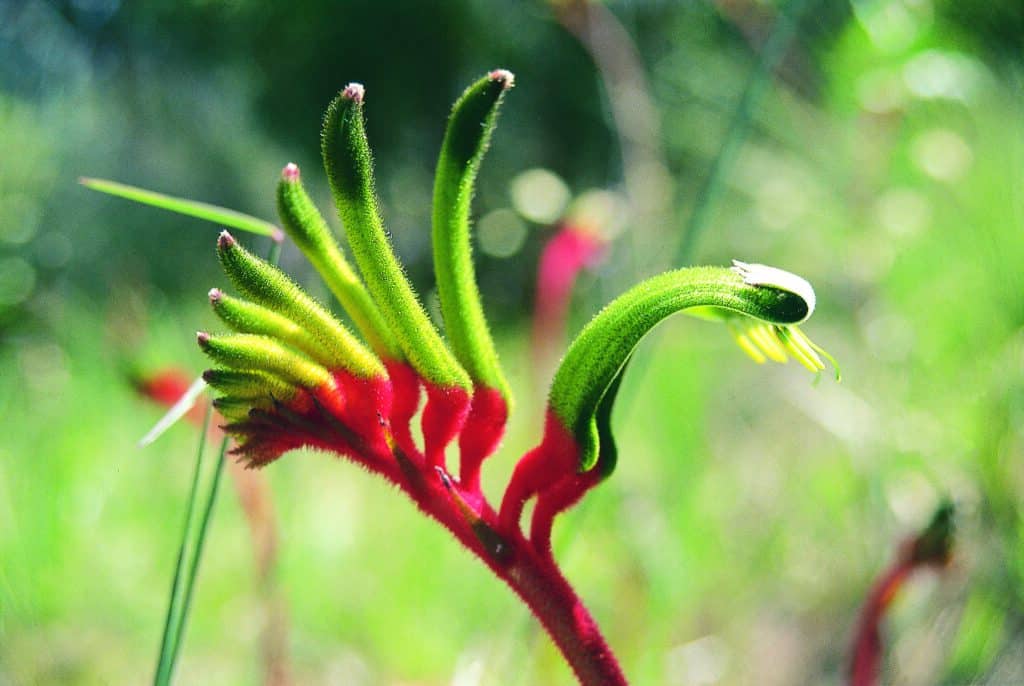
x,y
750,510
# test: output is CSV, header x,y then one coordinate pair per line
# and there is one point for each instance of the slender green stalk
x,y
774,50
182,590
167,650
190,583
192,208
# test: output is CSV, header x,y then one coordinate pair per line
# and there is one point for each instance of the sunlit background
x,y
875,147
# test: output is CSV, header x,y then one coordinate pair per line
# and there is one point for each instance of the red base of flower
x,y
368,421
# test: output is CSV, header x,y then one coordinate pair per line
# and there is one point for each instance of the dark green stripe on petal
x,y
596,357
307,227
349,166
465,142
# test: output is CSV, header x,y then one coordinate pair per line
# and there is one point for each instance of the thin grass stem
x,y
163,669
774,49
204,527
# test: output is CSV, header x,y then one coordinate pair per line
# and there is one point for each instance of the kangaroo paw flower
x,y
292,375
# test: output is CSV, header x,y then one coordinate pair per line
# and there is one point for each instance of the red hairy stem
x,y
539,582
483,431
357,418
557,499
530,573
443,418
556,457
405,400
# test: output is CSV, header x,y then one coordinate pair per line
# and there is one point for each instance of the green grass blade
x,y
197,553
163,668
772,52
181,594
191,208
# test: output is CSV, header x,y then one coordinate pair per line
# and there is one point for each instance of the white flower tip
x,y
763,275
354,91
506,78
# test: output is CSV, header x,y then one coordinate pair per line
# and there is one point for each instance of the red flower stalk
x,y
932,548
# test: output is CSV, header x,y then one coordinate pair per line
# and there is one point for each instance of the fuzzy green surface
x,y
595,358
244,352
307,227
248,384
349,166
465,142
246,317
272,288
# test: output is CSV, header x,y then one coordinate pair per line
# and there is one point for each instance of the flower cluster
x,y
293,374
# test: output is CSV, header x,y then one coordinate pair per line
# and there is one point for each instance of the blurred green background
x,y
879,153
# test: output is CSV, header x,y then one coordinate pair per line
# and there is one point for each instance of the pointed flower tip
x,y
290,172
763,275
203,338
354,91
503,76
226,241
215,295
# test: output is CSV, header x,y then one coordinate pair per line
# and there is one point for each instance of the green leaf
x,y
307,228
272,288
465,142
349,166
595,359
191,208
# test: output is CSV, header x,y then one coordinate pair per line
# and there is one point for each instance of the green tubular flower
x,y
349,166
465,142
248,384
767,296
306,226
248,352
246,317
271,288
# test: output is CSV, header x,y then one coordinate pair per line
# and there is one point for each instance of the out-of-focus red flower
x,y
574,247
931,549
